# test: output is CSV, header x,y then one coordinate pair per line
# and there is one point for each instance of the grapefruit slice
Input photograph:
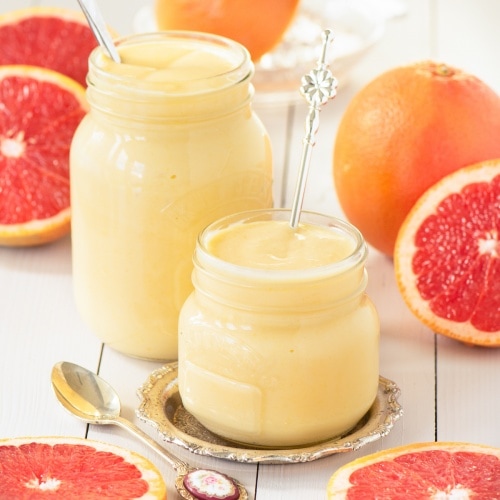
x,y
423,470
447,255
39,112
61,467
51,37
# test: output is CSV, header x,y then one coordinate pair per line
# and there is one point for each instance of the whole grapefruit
x,y
402,133
259,25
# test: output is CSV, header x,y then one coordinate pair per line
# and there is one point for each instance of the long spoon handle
x,y
98,27
180,466
196,491
318,87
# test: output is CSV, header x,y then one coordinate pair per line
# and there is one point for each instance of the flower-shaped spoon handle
x,y
318,87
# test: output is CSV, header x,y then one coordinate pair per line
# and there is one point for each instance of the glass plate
x,y
277,75
161,407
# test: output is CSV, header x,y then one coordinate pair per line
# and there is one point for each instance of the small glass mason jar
x,y
170,144
278,343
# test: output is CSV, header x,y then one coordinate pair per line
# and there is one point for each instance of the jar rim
x,y
356,258
242,70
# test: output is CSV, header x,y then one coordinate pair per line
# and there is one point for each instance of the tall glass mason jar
x,y
170,144
278,343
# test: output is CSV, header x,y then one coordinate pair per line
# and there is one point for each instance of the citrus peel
x,y
403,132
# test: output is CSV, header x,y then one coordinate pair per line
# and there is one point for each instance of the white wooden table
x,y
450,392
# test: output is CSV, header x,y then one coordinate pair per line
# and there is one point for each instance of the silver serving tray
x,y
161,407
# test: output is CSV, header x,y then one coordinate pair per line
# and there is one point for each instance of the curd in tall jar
x,y
170,144
278,343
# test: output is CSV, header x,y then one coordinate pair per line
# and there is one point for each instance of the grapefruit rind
x,y
339,483
149,472
405,250
49,75
71,15
36,232
40,231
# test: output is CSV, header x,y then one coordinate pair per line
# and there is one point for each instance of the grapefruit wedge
x,y
51,37
62,468
447,255
39,112
441,470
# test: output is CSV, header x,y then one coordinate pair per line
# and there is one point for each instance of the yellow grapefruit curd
x,y
278,343
170,144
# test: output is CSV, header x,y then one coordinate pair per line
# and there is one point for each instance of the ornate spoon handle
x,y
191,482
318,87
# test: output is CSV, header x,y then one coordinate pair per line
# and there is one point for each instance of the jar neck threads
x,y
310,288
171,75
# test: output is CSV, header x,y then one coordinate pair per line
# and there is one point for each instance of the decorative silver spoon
x,y
318,87
98,27
91,399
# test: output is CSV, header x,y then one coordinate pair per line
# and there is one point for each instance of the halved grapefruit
x,y
51,37
423,470
63,467
447,255
39,112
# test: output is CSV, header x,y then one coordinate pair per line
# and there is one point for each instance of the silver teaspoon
x,y
98,27
91,399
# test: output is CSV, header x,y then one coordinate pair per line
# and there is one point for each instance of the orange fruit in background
x,y
259,25
51,37
40,110
403,132
447,255
63,467
420,471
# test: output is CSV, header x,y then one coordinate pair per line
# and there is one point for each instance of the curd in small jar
x,y
278,343
170,144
